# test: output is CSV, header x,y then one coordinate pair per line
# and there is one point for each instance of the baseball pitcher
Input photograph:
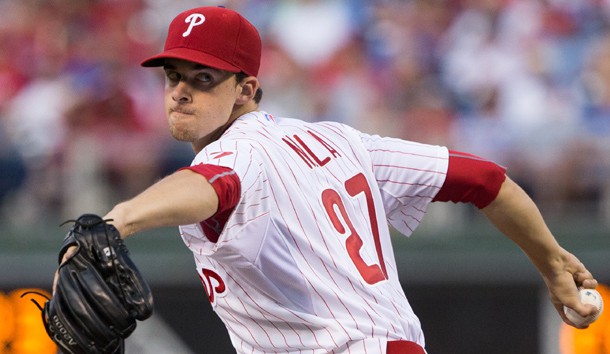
x,y
288,221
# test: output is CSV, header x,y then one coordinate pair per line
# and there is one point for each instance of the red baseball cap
x,y
212,36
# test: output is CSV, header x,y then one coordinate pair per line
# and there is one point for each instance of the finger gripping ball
x,y
587,296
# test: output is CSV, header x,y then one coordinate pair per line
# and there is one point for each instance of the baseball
x,y
587,296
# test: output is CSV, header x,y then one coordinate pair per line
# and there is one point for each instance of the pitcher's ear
x,y
249,85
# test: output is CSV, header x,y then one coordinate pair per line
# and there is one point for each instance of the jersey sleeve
x,y
409,176
227,185
471,179
238,178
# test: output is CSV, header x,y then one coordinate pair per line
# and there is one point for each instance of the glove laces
x,y
40,307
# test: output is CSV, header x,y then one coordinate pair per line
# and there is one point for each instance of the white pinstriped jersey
x,y
304,263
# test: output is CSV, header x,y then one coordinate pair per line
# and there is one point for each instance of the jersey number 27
x,y
371,273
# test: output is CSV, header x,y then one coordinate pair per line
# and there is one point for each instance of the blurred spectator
x,y
311,31
112,149
589,166
287,85
13,171
33,118
81,126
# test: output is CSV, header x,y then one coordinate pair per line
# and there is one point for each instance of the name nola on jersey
x,y
311,159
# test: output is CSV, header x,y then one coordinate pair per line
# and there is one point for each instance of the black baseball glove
x,y
99,293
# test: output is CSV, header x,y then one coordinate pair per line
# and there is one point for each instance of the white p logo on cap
x,y
193,20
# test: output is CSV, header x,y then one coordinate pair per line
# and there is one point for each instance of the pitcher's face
x,y
199,101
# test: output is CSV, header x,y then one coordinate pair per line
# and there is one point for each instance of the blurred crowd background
x,y
525,83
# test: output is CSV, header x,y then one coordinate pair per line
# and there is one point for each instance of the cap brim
x,y
189,55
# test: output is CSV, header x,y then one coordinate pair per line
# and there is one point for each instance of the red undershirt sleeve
x,y
228,188
471,179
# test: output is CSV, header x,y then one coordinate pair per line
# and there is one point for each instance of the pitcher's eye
x,y
172,76
204,78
